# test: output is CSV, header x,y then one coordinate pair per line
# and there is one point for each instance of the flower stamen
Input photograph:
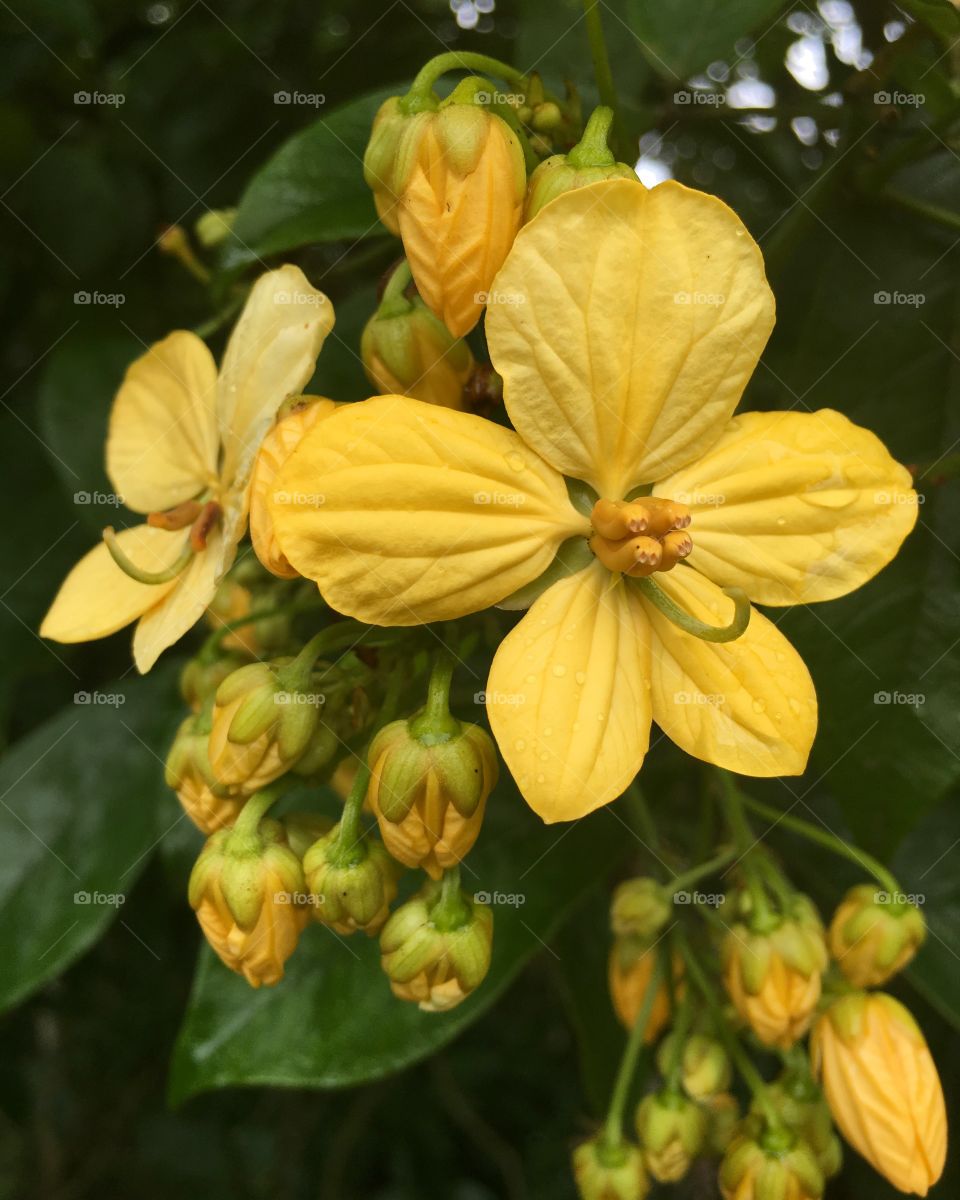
x,y
204,524
639,537
178,517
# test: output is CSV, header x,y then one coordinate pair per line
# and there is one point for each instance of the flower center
x,y
639,537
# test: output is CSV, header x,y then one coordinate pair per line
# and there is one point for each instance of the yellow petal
x,y
403,512
747,705
162,443
184,605
795,507
569,695
628,324
271,355
97,598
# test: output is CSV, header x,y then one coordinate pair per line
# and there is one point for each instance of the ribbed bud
x,y
303,829
260,728
873,935
350,888
428,790
773,978
388,157
408,351
200,679
461,191
605,1173
430,964
245,890
293,422
882,1087
671,1130
704,1064
749,1171
210,805
630,970
555,176
640,907
801,1106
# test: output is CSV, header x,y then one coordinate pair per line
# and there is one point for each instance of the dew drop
x,y
519,744
559,670
516,462
581,677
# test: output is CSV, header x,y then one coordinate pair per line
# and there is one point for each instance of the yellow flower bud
x,y
351,887
785,1171
244,889
260,726
435,949
672,1130
293,421
603,1172
460,206
800,1104
386,161
873,935
640,906
408,351
209,805
630,969
883,1088
429,785
704,1065
774,977
232,602
199,679
590,161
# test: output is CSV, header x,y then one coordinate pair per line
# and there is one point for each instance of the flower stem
x,y
601,59
420,97
593,150
435,722
933,212
451,910
830,841
681,882
613,1125
244,838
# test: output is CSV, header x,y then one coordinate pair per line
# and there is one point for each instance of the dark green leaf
x,y
311,190
333,1022
683,37
939,15
77,824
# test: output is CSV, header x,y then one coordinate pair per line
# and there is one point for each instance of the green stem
x,y
244,838
731,801
210,647
601,59
681,1027
681,882
128,567
613,1125
349,848
814,833
296,675
593,149
744,1064
690,624
394,303
639,811
436,722
451,911
420,97
934,212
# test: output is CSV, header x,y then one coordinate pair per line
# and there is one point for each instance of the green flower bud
x,y
590,161
756,1167
602,1172
672,1131
213,227
389,156
639,907
704,1064
435,949
801,1105
873,935
353,887
200,679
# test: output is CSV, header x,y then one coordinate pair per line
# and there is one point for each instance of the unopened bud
x,y
590,161
671,1130
640,907
704,1064
873,936
213,226
210,805
606,1172
630,971
352,887
778,1166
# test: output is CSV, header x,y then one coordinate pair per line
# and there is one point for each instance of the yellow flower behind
x,y
181,447
636,319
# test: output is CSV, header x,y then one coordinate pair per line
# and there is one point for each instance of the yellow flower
x,y
774,978
301,415
181,445
883,1088
637,318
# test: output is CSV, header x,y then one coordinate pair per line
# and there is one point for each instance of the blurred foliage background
x,y
832,128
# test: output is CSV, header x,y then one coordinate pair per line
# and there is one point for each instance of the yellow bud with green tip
x,y
873,935
590,161
603,1172
704,1064
208,803
640,906
351,887
672,1130
778,1166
